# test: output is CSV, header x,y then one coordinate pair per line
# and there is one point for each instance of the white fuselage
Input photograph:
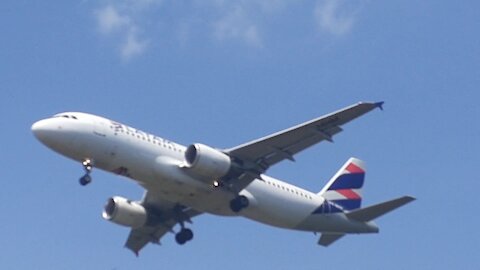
x,y
156,164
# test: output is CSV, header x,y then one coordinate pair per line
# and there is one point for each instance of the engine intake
x,y
206,161
125,212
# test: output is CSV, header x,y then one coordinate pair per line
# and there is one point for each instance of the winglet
x,y
379,105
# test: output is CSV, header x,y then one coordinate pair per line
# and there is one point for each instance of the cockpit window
x,y
66,116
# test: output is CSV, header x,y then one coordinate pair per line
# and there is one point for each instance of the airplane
x,y
182,182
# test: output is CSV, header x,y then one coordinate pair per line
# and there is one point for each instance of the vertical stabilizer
x,y
345,188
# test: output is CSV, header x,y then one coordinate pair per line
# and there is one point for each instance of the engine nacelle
x,y
125,212
206,161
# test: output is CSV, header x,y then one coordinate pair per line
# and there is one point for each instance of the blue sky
x,y
226,72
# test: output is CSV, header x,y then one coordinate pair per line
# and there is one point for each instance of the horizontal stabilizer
x,y
372,212
328,238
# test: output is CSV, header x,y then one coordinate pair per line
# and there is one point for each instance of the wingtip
x,y
410,198
136,252
406,199
379,105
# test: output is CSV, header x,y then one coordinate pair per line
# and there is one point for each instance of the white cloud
x,y
132,45
117,20
135,24
109,20
236,25
252,37
335,16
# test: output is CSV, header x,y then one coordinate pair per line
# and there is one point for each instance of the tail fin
x,y
345,188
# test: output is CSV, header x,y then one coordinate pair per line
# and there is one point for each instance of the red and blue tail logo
x,y
344,191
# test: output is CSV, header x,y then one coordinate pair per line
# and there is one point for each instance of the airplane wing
x,y
258,155
167,215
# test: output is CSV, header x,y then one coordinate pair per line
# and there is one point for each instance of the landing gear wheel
x,y
85,180
87,166
239,203
184,236
188,234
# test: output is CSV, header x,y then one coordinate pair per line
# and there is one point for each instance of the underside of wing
x,y
257,156
163,216
140,237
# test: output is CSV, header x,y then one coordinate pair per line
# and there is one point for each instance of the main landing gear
x,y
183,236
239,203
86,179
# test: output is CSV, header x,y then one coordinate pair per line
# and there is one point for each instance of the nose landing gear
x,y
86,179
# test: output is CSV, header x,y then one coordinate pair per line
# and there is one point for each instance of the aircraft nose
x,y
56,133
43,129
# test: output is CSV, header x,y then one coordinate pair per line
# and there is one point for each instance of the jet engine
x,y
206,161
125,212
